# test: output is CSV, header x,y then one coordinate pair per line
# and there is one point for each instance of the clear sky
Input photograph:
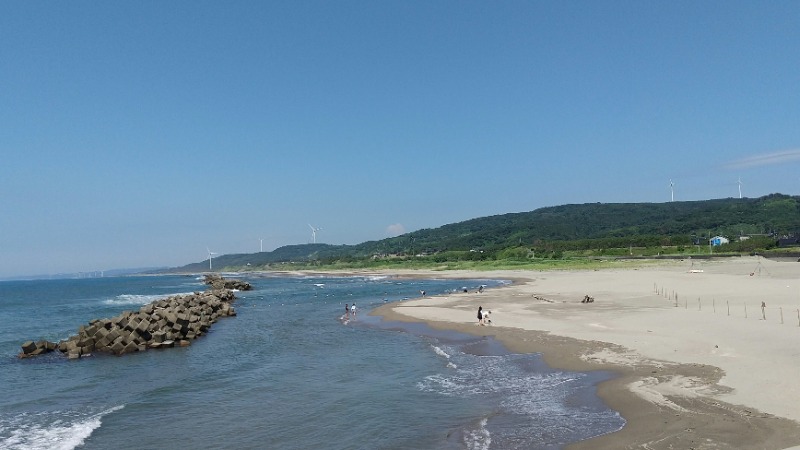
x,y
138,134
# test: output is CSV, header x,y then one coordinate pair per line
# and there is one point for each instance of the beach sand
x,y
699,366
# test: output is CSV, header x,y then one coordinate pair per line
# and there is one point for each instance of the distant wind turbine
x,y
740,187
314,233
262,244
210,255
672,190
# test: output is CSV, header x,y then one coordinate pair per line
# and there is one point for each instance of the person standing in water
x,y
353,309
347,310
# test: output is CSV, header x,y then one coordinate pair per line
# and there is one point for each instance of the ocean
x,y
285,373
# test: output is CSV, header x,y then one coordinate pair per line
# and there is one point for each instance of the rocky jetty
x,y
172,321
217,282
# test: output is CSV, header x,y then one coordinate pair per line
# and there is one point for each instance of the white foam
x,y
440,352
62,434
135,299
480,438
376,278
441,384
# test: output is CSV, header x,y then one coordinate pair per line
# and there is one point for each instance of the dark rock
x,y
28,347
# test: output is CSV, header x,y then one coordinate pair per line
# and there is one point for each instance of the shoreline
x,y
672,386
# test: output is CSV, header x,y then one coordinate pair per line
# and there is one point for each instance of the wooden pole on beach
x,y
745,310
714,305
729,306
676,300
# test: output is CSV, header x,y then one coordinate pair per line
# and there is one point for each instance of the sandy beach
x,y
701,364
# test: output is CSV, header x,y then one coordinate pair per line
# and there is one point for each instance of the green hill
x,y
551,230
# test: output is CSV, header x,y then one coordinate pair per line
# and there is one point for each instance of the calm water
x,y
285,373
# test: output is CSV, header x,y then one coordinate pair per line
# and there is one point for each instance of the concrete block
x,y
100,333
144,334
86,342
130,348
28,347
113,334
117,347
143,325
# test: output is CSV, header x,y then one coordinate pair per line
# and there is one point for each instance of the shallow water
x,y
285,373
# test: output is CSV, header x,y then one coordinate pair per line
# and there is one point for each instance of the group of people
x,y
348,310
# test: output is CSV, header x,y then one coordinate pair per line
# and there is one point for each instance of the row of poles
x,y
673,296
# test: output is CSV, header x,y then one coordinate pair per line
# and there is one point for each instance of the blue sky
x,y
140,133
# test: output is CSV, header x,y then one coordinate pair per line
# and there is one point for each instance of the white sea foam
x,y
441,384
532,400
376,278
521,392
136,299
65,432
440,352
478,438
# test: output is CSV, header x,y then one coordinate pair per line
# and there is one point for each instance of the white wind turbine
x,y
740,187
210,255
314,233
672,190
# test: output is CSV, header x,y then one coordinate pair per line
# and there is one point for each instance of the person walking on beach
x,y
480,315
763,312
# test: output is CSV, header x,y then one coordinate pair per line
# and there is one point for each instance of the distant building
x,y
718,240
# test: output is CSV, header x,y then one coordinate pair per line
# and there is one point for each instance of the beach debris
x,y
169,322
587,299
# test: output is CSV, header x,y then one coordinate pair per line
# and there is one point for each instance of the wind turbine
x,y
314,233
740,187
210,255
672,190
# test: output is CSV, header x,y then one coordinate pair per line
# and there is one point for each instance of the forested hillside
x,y
560,228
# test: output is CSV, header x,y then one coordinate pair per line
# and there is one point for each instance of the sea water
x,y
286,373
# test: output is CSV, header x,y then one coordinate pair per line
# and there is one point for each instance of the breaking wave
x,y
60,430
